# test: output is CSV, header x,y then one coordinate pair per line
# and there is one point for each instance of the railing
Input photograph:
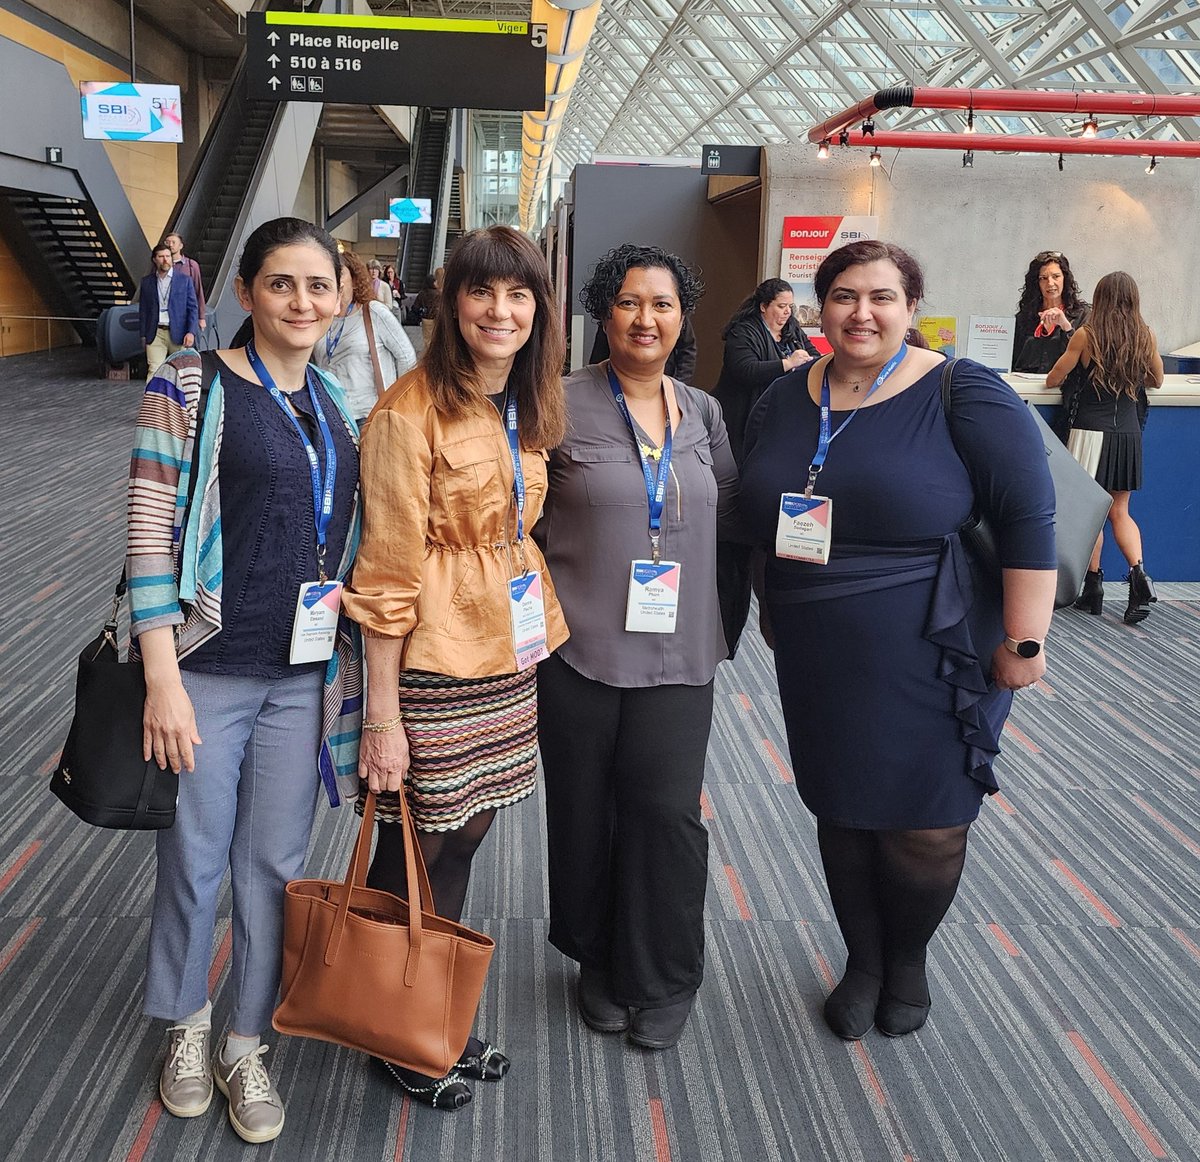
x,y
72,341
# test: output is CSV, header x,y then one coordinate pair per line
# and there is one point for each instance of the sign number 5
x,y
538,36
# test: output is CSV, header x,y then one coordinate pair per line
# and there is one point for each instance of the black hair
x,y
608,276
1030,303
912,277
766,292
270,236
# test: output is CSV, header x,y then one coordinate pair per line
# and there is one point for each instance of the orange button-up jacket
x,y
439,541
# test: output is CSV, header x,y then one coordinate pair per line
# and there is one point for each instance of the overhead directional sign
x,y
396,60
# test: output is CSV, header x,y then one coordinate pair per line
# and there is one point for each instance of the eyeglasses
x,y
1046,255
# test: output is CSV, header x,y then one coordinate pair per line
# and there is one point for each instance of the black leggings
x,y
890,891
448,856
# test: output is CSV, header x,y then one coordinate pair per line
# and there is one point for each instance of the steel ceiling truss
x,y
662,77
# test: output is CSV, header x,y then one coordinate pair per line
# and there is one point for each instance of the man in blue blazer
x,y
167,308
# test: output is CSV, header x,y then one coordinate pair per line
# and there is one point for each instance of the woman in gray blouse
x,y
629,531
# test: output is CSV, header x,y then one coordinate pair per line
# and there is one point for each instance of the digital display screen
x,y
123,111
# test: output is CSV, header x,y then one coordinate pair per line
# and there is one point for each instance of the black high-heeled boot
x,y
1091,600
1141,594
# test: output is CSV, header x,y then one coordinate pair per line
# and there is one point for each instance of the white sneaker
x,y
255,1108
186,1082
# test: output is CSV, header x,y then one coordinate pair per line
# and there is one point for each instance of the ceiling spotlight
x,y
823,149
844,137
1153,165
868,128
876,159
969,159
1060,163
970,120
1090,127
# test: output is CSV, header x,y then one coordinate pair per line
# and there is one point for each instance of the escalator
x,y
430,156
217,188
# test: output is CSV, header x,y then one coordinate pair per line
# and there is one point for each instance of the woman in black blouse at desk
x,y
629,532
762,342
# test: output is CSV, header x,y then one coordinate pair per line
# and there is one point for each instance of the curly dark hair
x,y
608,276
1031,293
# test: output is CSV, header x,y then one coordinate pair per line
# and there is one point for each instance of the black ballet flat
x,y
897,1018
482,1061
440,1093
850,1010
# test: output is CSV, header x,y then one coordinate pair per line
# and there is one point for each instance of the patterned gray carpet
x,y
1067,977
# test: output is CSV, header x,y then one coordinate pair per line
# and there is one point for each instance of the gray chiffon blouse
x,y
596,521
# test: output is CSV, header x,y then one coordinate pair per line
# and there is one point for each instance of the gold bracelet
x,y
388,724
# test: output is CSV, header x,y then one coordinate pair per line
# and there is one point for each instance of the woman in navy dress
x,y
895,678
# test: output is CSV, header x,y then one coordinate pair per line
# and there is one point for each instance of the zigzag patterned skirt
x,y
473,743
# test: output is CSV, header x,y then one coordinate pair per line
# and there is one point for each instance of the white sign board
x,y
990,340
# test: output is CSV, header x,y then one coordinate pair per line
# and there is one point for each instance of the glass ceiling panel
x,y
826,65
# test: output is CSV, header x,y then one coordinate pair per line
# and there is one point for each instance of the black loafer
x,y
897,1018
595,1007
660,1028
482,1061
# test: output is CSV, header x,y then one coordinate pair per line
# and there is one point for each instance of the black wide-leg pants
x,y
628,852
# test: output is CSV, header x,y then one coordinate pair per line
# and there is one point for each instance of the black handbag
x,y
1080,509
102,776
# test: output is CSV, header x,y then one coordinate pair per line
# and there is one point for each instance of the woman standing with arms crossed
x,y
454,478
895,678
636,491
218,568
1117,360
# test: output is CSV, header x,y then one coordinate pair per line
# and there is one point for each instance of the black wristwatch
x,y
1028,647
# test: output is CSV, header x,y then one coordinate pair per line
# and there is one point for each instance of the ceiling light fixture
x,y
970,120
1060,163
823,149
868,128
1090,127
1153,165
844,137
969,159
876,159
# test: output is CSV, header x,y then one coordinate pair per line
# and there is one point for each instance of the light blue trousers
x,y
248,806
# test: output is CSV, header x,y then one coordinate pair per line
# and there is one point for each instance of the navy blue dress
x,y
883,655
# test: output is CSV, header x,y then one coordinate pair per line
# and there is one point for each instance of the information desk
x,y
1167,507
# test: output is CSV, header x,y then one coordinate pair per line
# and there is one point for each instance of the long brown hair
x,y
500,254
360,278
1120,344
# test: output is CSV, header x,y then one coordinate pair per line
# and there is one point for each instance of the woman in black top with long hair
x,y
1049,311
1104,373
762,342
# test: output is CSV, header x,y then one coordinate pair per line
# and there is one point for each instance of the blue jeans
x,y
248,806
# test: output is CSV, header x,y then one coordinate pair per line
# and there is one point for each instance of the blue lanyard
x,y
322,495
332,340
514,449
656,487
826,437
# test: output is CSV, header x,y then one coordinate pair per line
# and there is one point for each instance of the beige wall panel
x,y
975,230
146,184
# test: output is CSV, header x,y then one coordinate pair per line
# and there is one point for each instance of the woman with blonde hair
x,y
1104,373
451,592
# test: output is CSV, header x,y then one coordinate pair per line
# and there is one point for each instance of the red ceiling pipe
x,y
1016,143
1008,101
